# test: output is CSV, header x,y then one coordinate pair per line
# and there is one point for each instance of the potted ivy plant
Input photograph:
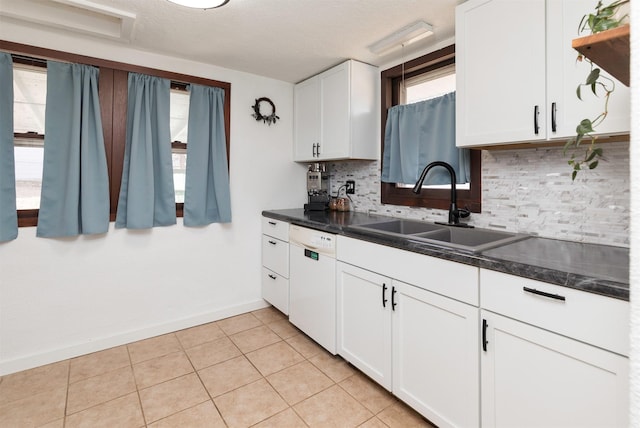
x,y
602,19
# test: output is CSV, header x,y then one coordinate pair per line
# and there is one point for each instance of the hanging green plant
x,y
604,18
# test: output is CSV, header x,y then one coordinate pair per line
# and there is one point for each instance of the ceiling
x,y
288,40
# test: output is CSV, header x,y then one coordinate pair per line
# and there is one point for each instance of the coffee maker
x,y
318,188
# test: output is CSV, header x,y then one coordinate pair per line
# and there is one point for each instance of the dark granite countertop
x,y
599,269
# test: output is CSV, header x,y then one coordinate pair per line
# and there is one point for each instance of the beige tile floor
x,y
254,369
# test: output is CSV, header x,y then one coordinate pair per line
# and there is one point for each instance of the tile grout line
x,y
144,417
66,399
198,375
265,378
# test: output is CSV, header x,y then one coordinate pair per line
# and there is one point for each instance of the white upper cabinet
x,y
517,73
564,74
335,114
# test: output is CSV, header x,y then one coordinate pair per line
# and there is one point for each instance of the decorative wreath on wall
x,y
260,117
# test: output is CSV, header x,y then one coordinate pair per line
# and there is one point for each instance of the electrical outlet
x,y
351,187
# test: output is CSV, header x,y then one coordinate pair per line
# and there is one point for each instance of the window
x,y
30,92
425,86
426,77
429,85
113,105
179,110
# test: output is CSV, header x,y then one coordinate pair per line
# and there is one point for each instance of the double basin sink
x,y
466,239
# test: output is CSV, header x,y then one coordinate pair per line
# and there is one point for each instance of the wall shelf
x,y
602,139
608,49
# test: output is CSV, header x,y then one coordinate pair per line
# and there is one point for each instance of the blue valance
x,y
420,133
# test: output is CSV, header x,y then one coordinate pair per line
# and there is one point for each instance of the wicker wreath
x,y
259,116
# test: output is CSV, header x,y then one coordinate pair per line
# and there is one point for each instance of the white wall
x,y
65,297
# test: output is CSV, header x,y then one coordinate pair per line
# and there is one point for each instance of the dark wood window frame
x,y
113,104
390,96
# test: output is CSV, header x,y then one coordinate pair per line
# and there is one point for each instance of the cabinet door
x,y
534,378
435,356
335,138
306,133
500,71
364,321
564,74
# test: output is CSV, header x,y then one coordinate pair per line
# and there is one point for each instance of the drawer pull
x,y
272,277
272,242
544,293
484,334
272,223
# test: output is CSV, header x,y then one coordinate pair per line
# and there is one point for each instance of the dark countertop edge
x,y
604,287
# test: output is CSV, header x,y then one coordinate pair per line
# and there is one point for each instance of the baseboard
x,y
60,354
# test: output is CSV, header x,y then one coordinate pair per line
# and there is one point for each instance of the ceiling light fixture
x,y
201,4
403,37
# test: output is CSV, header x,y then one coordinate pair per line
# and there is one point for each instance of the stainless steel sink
x,y
466,239
474,240
402,226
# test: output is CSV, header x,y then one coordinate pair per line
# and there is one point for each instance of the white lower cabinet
x,y
275,263
551,356
535,378
364,321
435,356
418,344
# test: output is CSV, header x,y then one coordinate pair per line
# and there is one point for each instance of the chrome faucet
x,y
454,212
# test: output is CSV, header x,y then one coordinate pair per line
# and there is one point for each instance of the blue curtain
x,y
8,213
207,198
147,195
420,133
75,182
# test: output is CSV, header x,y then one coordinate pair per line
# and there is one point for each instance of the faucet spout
x,y
454,212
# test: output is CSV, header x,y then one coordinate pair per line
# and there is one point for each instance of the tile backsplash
x,y
524,190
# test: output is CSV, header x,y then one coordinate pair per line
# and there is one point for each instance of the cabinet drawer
x,y
275,255
590,318
276,228
275,290
455,280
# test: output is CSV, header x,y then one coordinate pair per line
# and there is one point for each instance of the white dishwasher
x,y
312,284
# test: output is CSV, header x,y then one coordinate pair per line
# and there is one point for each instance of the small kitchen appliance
x,y
318,186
